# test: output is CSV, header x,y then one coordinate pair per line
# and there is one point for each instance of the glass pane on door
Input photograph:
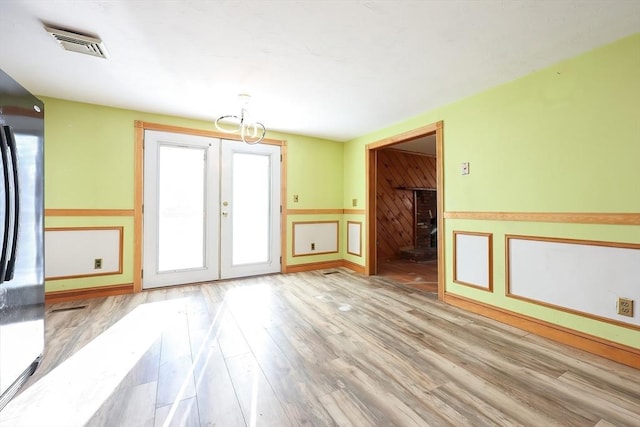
x,y
251,192
181,207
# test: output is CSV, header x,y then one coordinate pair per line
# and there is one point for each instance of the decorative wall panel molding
x,y
83,252
354,238
473,259
315,237
579,276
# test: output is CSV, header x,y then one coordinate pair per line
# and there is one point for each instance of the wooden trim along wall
x,y
88,212
507,264
314,211
86,293
560,217
611,350
312,266
325,211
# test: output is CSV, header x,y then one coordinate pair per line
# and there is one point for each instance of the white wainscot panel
x,y
72,252
587,277
312,238
473,259
354,238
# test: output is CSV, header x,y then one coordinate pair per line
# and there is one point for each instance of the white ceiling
x,y
423,145
333,69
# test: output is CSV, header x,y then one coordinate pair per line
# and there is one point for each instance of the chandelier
x,y
250,132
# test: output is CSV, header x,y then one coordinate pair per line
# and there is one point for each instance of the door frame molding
x,y
437,128
138,167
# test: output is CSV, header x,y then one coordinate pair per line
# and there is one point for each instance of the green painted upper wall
x,y
563,139
315,174
89,158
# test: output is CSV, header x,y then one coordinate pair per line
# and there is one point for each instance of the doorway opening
x,y
404,208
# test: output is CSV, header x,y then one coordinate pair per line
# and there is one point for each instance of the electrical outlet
x,y
295,198
354,202
313,246
625,307
97,263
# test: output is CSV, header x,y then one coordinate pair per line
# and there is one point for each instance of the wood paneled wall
x,y
395,206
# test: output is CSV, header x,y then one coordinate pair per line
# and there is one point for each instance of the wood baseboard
x,y
322,265
608,349
313,266
86,293
353,266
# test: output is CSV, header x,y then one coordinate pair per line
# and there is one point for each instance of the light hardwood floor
x,y
320,348
422,275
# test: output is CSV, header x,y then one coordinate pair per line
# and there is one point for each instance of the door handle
x,y
11,144
4,156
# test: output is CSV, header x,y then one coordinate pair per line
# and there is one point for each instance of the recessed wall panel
x,y
582,276
354,238
314,238
73,252
473,259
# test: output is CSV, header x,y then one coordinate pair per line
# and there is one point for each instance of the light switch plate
x,y
464,168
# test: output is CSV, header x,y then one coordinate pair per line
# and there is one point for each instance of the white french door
x,y
211,209
180,209
250,220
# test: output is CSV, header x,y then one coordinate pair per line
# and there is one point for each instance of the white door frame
x,y
277,200
210,271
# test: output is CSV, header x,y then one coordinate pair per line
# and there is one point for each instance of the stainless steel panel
x,y
22,295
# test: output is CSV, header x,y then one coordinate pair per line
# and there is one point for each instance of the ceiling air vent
x,y
80,43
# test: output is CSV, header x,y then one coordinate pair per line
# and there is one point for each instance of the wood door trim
x,y
283,206
138,200
370,190
199,132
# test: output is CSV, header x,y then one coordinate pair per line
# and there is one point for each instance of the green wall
x,y
315,173
89,164
563,139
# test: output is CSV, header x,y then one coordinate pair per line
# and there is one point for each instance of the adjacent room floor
x,y
421,275
320,348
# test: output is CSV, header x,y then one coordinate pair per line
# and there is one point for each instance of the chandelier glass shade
x,y
250,132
